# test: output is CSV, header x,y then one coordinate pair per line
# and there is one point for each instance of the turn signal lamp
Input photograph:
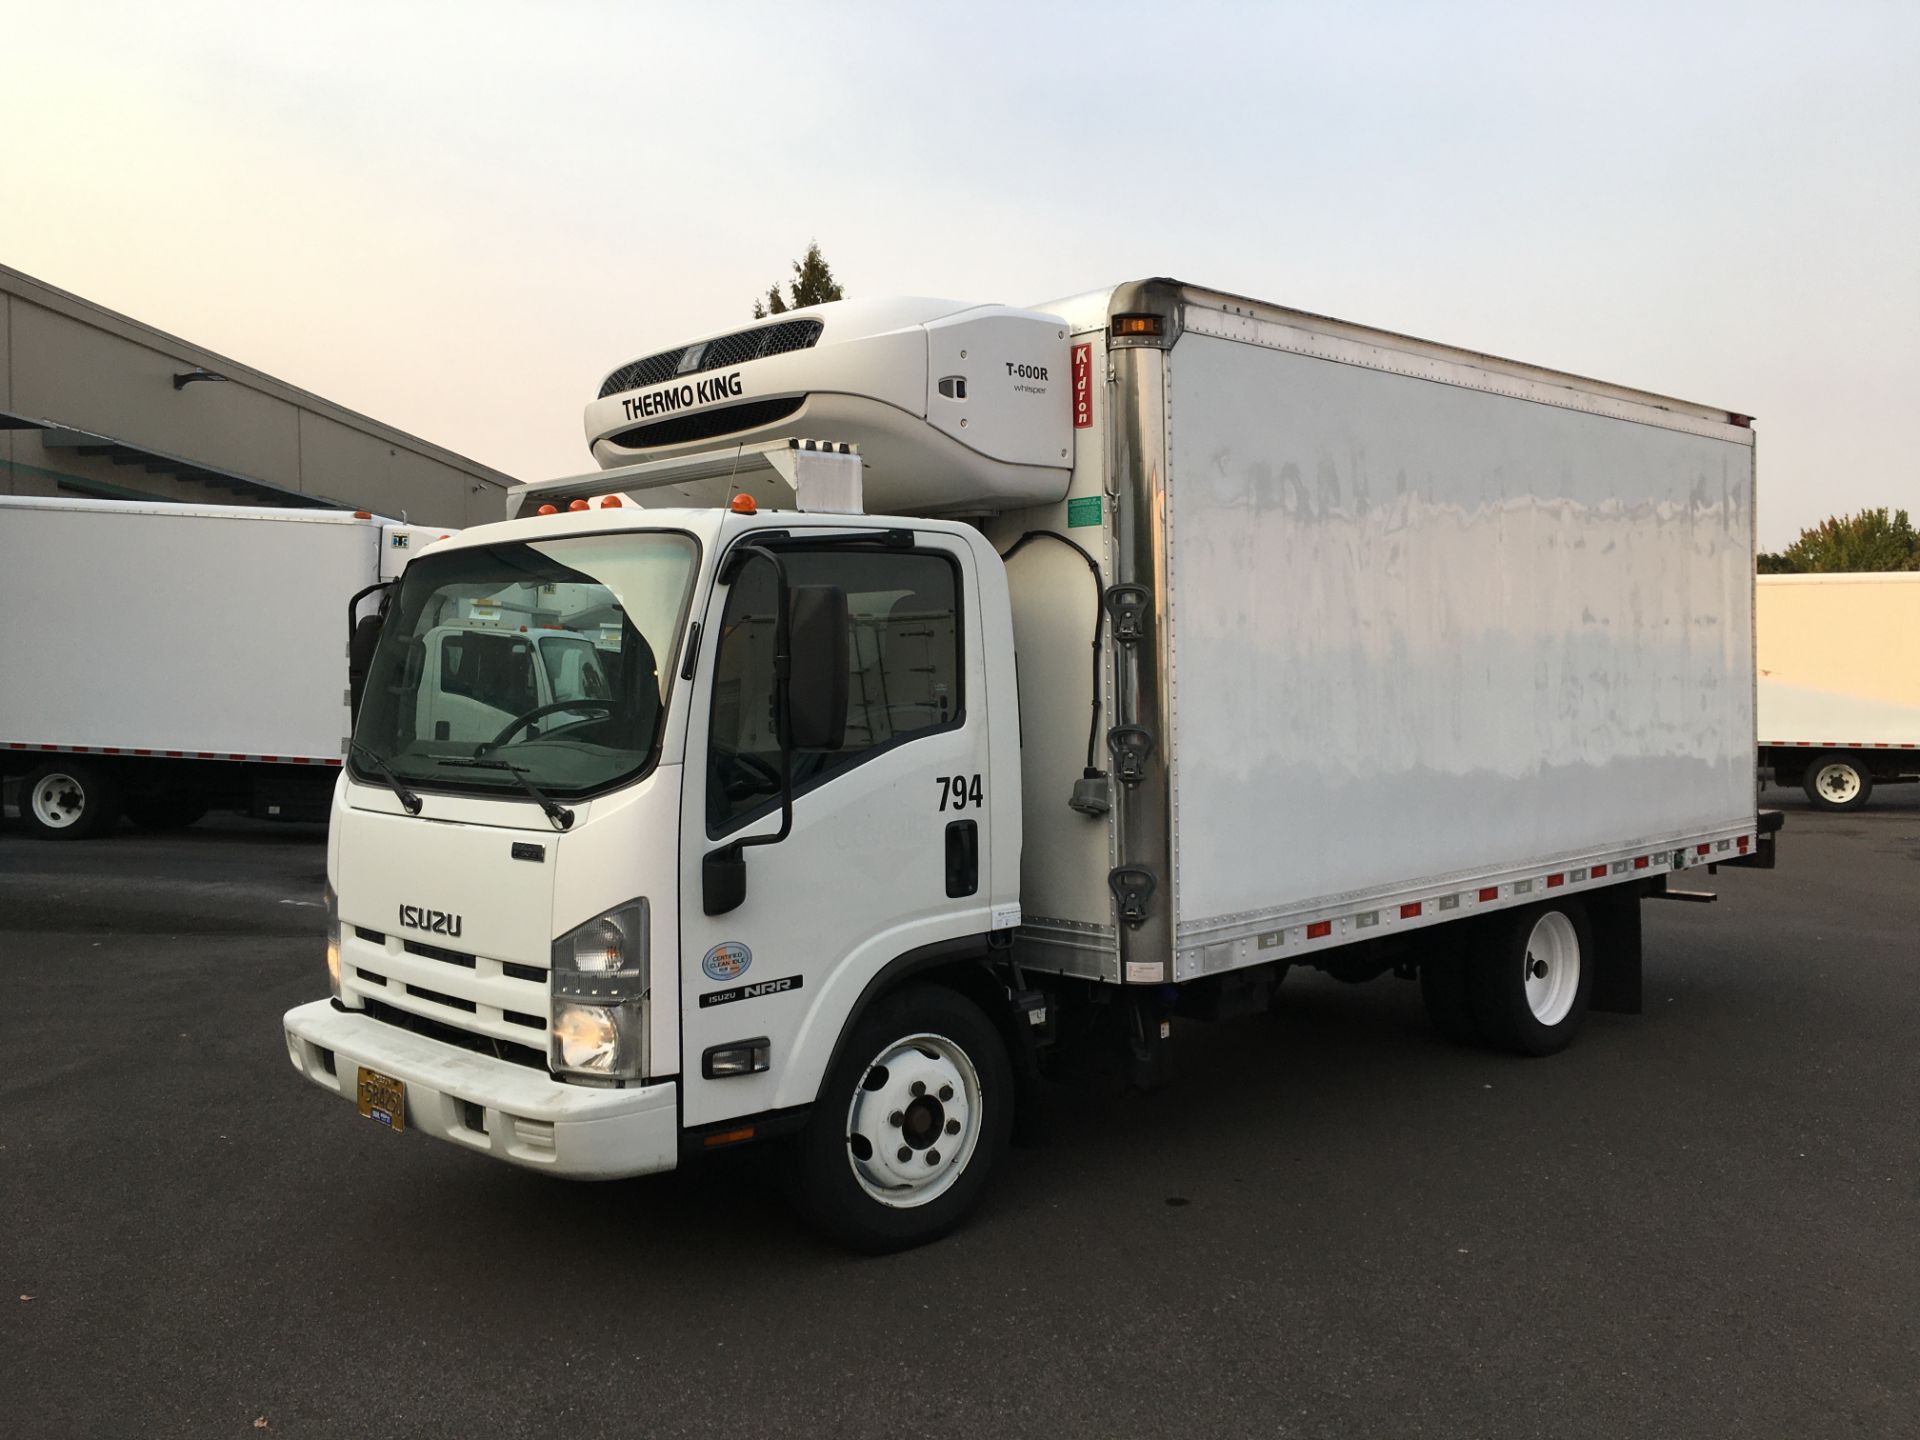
x,y
1137,325
743,505
578,505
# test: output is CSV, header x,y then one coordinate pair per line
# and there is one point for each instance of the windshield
x,y
554,658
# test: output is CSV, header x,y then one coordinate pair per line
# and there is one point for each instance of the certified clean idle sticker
x,y
726,961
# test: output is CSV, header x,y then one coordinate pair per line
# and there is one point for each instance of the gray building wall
x,y
88,406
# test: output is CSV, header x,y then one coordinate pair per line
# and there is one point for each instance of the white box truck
x,y
1839,683
1086,668
163,659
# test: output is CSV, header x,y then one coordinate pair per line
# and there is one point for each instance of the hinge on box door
x,y
1132,888
1128,606
1132,747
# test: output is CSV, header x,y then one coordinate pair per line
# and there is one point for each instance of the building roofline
x,y
52,297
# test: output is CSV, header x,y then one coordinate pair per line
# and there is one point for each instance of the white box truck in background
x,y
1839,694
162,659
1190,639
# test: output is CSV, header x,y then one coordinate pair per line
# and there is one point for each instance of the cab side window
x,y
903,658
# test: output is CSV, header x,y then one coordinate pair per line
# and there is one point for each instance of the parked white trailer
x,y
165,659
1244,639
1839,663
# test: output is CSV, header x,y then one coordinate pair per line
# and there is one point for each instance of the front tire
x,y
68,799
910,1123
1532,977
1837,782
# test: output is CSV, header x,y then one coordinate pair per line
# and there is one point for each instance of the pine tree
x,y
812,284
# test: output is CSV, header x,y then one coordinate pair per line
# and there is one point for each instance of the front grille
x,y
434,952
493,1002
706,424
453,1035
717,354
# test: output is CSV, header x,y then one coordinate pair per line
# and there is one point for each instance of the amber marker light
x,y
743,505
1137,325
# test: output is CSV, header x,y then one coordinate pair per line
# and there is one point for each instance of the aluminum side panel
x,y
1420,629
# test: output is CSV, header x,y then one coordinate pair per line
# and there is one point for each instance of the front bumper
x,y
524,1116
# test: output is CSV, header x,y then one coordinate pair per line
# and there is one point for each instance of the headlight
x,y
600,994
333,941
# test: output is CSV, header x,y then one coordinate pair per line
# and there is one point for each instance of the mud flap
x,y
1614,916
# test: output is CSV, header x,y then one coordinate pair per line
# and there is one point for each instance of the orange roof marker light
x,y
363,514
612,502
578,505
743,505
547,510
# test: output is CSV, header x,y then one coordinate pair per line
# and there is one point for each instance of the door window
x,y
903,658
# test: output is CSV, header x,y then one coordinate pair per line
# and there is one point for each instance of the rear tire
x,y
924,1076
1838,782
1532,978
165,812
67,799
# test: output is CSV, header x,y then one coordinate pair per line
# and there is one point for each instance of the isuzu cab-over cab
x,y
781,843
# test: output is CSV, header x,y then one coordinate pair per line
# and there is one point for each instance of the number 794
x,y
959,792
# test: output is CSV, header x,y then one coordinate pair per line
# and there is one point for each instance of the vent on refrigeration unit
x,y
706,424
716,354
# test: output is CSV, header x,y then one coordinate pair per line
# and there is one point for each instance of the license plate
x,y
383,1099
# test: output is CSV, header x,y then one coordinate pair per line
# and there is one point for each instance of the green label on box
x,y
1083,511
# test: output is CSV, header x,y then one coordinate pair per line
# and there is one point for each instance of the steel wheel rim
x,y
1838,782
1552,968
935,1126
58,801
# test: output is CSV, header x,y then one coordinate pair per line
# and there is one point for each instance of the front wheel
x,y
1837,782
910,1123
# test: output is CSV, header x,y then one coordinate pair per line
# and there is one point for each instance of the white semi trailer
x,y
1093,665
1839,663
162,659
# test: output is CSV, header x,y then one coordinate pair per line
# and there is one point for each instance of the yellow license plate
x,y
383,1098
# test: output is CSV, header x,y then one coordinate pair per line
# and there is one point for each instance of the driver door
x,y
888,849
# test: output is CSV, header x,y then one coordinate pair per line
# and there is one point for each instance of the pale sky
x,y
458,217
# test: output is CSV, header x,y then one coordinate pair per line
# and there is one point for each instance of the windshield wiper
x,y
557,814
410,800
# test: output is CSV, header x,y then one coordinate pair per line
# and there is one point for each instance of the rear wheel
x,y
910,1123
1530,982
1837,782
68,799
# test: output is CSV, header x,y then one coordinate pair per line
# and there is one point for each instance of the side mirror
x,y
817,675
723,880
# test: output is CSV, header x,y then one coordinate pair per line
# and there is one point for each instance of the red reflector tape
x,y
1743,842
1319,929
1410,911
1640,862
1702,849
1492,892
1553,880
1598,871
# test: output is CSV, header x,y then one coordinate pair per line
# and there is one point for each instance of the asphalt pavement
x,y
1698,1221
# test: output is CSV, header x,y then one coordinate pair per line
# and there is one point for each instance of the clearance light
x,y
363,514
578,505
729,1137
548,510
1137,324
743,505
612,502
